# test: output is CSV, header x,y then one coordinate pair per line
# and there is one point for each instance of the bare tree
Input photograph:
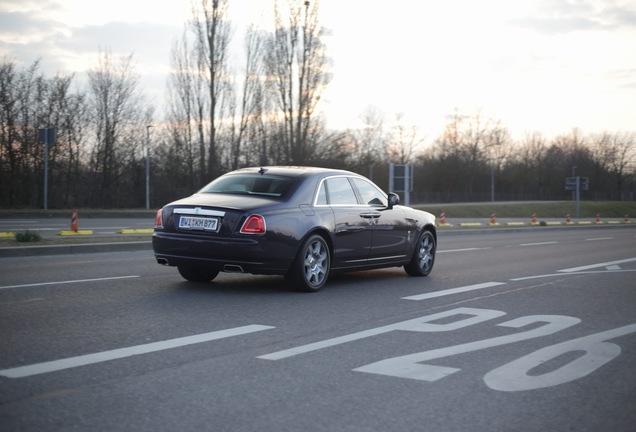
x,y
404,142
212,33
622,150
119,117
297,62
181,160
526,166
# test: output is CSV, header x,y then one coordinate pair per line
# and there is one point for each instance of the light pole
x,y
574,176
148,167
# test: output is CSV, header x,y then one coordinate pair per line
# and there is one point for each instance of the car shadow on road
x,y
245,284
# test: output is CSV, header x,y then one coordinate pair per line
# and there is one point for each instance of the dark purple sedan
x,y
300,222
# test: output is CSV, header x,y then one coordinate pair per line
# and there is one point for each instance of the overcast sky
x,y
538,66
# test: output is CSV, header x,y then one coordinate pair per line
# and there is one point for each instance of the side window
x,y
340,191
371,195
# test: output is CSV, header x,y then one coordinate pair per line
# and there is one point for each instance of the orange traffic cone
x,y
74,221
598,218
442,219
493,219
567,219
534,218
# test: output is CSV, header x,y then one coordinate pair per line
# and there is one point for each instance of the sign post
x,y
577,184
401,180
47,137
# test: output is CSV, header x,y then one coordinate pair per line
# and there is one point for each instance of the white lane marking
x,y
593,266
599,238
72,362
453,291
69,282
611,269
461,250
23,301
327,343
538,244
422,324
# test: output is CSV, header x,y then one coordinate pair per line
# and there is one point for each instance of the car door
x,y
391,230
353,231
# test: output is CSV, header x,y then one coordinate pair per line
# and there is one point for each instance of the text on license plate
x,y
198,223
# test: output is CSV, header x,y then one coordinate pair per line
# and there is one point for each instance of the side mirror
x,y
394,199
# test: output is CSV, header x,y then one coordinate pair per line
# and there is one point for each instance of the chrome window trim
x,y
322,181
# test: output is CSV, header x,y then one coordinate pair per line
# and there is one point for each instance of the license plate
x,y
198,223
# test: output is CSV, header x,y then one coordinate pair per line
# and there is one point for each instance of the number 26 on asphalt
x,y
591,351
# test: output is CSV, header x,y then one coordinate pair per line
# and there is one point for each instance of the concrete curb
x,y
78,249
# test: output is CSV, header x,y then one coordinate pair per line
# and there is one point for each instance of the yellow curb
x,y
515,223
553,223
613,222
73,233
470,224
136,231
445,225
585,223
7,234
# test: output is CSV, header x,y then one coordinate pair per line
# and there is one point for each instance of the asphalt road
x,y
529,330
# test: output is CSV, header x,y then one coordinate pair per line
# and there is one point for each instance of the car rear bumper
x,y
228,254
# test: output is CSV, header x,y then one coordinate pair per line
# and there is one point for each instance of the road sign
x,y
401,180
584,183
570,183
48,136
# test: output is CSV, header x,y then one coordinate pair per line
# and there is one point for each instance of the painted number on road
x,y
584,355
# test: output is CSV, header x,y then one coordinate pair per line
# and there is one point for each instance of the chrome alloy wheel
x,y
423,257
316,265
426,252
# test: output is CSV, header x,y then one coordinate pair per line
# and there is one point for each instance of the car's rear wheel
x,y
423,258
310,269
194,274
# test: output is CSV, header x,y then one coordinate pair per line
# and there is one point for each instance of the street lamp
x,y
148,167
574,177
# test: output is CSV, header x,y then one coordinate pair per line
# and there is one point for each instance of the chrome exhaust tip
x,y
231,268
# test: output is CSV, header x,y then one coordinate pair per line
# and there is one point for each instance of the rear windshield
x,y
250,184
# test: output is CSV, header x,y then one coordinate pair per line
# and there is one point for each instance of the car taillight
x,y
159,219
255,224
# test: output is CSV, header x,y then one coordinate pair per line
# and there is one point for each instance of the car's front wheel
x,y
423,258
194,274
310,269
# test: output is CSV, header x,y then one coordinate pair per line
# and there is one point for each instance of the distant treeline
x,y
218,120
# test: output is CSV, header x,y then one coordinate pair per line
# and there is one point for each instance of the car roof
x,y
293,171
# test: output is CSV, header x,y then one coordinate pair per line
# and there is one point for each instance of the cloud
x,y
567,16
624,78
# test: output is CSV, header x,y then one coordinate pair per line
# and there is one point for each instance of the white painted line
x,y
538,244
72,362
462,250
612,269
328,343
69,282
421,324
453,291
599,238
593,266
